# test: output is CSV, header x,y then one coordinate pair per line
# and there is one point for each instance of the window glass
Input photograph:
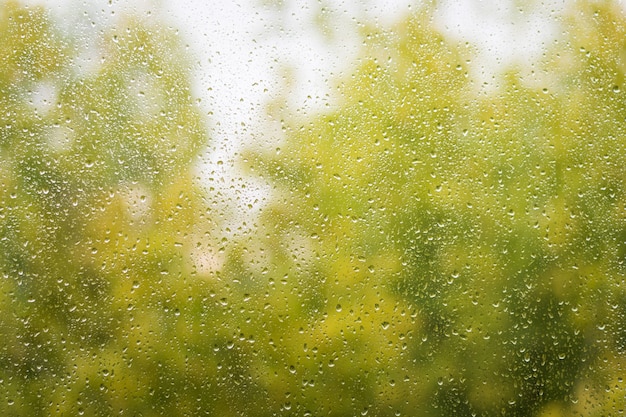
x,y
312,208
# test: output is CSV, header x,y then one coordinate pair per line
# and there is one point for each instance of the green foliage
x,y
487,227
97,208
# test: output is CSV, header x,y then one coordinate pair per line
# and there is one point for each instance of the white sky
x,y
243,48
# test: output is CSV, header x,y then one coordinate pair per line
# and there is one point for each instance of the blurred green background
x,y
430,247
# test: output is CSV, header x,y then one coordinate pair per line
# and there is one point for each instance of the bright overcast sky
x,y
242,49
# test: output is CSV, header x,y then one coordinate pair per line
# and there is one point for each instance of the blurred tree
x,y
464,251
99,211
